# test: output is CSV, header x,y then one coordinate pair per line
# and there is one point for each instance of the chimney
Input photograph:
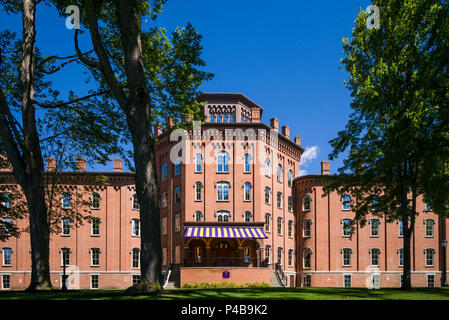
x,y
325,167
255,115
118,165
286,131
274,124
81,164
51,164
157,130
298,140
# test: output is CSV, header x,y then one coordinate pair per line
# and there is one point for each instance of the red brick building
x,y
329,257
231,209
226,208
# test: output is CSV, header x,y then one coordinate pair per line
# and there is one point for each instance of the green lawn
x,y
240,293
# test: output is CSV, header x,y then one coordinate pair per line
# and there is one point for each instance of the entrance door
x,y
224,256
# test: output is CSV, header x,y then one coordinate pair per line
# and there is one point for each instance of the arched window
x,y
198,162
95,226
247,168
306,201
346,201
429,256
290,178
135,202
279,173
231,118
247,252
198,191
225,118
346,227
198,216
247,191
66,226
223,162
135,227
66,197
223,216
279,225
307,258
95,200
279,198
267,167
212,118
223,191
248,216
280,254
164,172
218,117
290,229
135,253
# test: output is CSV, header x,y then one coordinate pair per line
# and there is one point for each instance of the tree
x,y
152,78
395,130
23,88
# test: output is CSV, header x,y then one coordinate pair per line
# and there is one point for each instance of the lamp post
x,y
443,276
64,276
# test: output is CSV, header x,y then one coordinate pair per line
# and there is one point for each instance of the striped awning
x,y
225,232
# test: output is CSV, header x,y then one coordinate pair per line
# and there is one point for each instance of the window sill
x,y
94,208
432,266
135,236
429,237
135,209
94,235
65,235
374,236
249,172
346,266
96,266
306,237
222,200
7,265
222,172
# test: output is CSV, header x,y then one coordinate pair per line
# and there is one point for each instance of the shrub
x,y
224,284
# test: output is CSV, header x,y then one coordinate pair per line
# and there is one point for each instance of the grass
x,y
240,293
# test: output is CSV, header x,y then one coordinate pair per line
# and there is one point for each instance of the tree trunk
x,y
39,237
147,194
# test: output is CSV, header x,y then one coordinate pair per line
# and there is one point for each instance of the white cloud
x,y
309,154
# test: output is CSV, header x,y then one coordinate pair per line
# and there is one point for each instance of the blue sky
x,y
284,56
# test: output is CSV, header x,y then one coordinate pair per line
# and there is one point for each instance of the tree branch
x,y
88,62
63,104
54,70
102,54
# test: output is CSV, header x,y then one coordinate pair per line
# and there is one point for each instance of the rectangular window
x,y
135,225
198,160
279,200
290,204
290,229
267,222
65,256
400,229
6,281
431,281
401,257
429,228
7,254
66,227
164,200
95,227
280,222
375,257
94,283
347,257
136,279
307,280
267,195
164,172
177,194
306,232
95,252
177,168
280,256
268,254
374,228
346,228
347,281
429,257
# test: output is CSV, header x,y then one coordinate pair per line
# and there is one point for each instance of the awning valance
x,y
225,232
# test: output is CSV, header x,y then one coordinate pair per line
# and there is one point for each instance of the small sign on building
x,y
226,274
